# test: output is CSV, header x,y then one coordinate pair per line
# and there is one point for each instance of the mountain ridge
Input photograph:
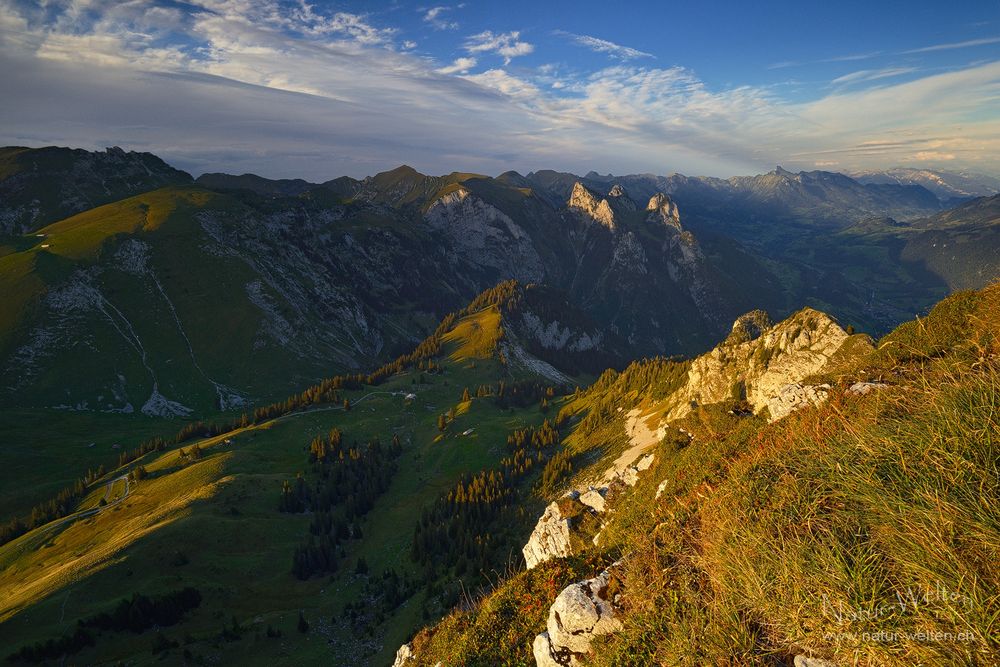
x,y
311,268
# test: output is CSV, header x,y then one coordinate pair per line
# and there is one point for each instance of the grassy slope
x,y
221,512
49,448
45,452
165,220
798,537
475,336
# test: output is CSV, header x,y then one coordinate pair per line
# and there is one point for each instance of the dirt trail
x,y
641,437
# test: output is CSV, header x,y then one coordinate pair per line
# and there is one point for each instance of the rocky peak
x,y
663,209
749,327
586,203
620,201
758,361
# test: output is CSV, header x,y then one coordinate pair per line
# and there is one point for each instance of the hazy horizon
x,y
524,172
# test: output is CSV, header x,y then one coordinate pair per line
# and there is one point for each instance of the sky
x,y
315,90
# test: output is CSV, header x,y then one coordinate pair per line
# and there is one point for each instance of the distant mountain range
x,y
114,261
947,186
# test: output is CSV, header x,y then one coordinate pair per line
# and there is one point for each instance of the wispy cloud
x,y
506,44
933,156
599,45
437,17
850,57
872,75
875,54
955,45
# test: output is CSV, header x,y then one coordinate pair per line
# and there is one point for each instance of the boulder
x,y
864,388
581,612
645,462
594,498
545,653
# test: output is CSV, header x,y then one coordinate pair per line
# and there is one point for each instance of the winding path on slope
x,y
29,537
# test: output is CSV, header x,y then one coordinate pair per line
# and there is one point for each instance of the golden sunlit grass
x,y
866,530
90,544
80,236
476,336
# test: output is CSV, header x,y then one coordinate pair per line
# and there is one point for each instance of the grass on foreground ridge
x,y
865,531
843,532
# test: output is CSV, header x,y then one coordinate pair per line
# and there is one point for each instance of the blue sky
x,y
317,89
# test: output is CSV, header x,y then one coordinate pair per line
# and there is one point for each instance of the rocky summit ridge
x,y
768,367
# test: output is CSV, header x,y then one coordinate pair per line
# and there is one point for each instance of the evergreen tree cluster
x,y
136,614
53,649
347,481
558,468
63,504
470,526
525,393
141,612
456,530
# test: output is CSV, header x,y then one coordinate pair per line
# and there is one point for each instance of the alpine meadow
x,y
566,392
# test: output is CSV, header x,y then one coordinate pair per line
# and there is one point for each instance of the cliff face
x,y
486,236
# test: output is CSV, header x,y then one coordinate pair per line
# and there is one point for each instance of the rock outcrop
x,y
794,397
663,209
554,532
619,200
404,656
581,612
550,538
485,234
759,362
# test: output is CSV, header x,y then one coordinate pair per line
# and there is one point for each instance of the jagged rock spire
x,y
664,209
584,201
